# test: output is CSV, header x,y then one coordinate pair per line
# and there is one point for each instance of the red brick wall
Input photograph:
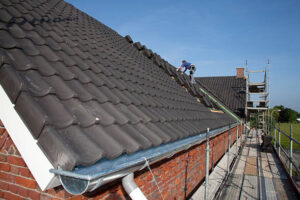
x,y
177,177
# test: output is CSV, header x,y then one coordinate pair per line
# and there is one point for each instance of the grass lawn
x,y
284,141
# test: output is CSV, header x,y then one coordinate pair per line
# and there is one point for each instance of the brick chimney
x,y
240,72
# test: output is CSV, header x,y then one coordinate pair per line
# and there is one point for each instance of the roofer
x,y
188,66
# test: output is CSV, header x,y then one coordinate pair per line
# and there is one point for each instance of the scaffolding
x,y
257,96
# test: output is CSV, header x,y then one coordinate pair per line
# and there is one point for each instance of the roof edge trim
x,y
104,171
33,156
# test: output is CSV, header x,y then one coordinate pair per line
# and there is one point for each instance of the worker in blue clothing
x,y
188,66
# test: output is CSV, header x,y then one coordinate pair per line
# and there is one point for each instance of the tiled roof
x,y
87,93
230,90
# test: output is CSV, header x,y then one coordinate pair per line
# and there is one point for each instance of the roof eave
x,y
87,179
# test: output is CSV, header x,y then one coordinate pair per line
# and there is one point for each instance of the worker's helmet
x,y
183,61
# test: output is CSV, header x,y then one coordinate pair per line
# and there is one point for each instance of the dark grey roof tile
x,y
80,63
69,42
6,40
149,134
96,109
106,80
14,12
19,60
139,98
21,9
11,81
56,37
111,96
81,92
94,78
163,135
97,92
32,114
128,38
120,136
116,83
67,49
6,2
80,53
145,118
43,66
137,136
3,26
53,44
61,89
118,74
133,118
81,76
25,24
172,132
58,151
121,96
27,6
177,125
111,147
150,114
41,31
63,71
112,110
85,118
129,95
74,138
16,31
94,67
105,70
59,115
5,16
48,53
28,47
36,85
35,37
66,59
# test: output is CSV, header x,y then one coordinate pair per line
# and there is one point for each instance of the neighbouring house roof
x,y
230,90
87,93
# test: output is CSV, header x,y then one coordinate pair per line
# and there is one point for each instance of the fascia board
x,y
33,156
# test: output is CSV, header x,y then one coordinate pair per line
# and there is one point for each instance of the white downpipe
x,y
132,189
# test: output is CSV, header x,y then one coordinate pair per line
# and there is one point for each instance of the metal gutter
x,y
83,179
221,105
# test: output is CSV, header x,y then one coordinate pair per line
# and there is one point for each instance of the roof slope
x,y
230,90
84,91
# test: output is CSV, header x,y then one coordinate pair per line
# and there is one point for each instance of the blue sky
x,y
217,36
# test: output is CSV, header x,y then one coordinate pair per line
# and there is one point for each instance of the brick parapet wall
x,y
177,177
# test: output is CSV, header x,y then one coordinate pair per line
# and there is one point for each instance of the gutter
x,y
221,105
88,178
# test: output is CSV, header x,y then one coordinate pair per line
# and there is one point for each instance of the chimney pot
x,y
240,72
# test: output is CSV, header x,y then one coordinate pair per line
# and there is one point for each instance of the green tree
x,y
281,107
276,114
288,115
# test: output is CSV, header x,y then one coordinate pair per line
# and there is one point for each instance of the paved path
x,y
257,175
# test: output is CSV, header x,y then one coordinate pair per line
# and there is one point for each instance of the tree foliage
x,y
285,114
288,115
